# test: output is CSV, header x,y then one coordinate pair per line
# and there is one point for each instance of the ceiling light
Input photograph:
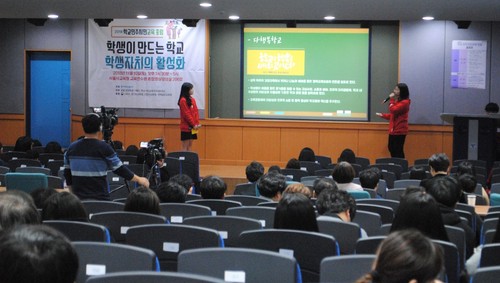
x,y
205,4
234,17
329,18
427,18
142,16
53,16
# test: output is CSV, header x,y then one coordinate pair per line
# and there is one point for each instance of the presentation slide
x,y
306,73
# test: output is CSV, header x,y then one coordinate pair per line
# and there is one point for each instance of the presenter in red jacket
x,y
399,107
190,118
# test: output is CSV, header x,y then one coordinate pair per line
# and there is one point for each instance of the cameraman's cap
x,y
91,123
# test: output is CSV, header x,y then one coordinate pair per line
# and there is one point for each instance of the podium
x,y
474,136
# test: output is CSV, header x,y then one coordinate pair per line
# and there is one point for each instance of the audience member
x,y
184,180
418,173
347,155
321,184
293,163
295,211
337,205
16,208
132,150
467,167
143,200
406,256
419,210
171,192
307,154
23,143
37,253
87,161
446,192
35,143
254,171
274,168
343,174
491,108
40,195
117,145
439,165
298,188
53,147
369,179
213,187
64,206
271,185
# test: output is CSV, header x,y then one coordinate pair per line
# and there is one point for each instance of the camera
x,y
109,119
154,151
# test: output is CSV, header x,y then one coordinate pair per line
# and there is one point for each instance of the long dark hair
x,y
186,87
295,211
404,93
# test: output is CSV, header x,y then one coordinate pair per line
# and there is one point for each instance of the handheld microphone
x,y
387,99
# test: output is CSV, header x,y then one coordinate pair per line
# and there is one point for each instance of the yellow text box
x,y
276,62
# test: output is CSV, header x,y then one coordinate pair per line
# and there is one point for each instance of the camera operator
x,y
87,161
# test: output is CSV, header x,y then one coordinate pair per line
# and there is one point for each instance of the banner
x,y
143,63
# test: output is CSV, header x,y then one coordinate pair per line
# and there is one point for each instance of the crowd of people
x,y
421,216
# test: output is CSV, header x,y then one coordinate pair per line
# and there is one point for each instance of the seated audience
x,y
406,256
213,187
37,253
446,192
419,210
347,155
53,147
298,188
439,165
337,205
307,154
132,150
23,143
466,167
171,192
369,179
418,173
143,200
343,174
321,184
275,168
472,264
184,180
293,163
271,185
117,145
64,206
254,171
17,208
295,211
40,195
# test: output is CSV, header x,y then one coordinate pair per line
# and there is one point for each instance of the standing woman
x,y
399,106
190,118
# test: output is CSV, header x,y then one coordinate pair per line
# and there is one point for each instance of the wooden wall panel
x,y
293,140
12,126
223,143
333,141
238,142
255,138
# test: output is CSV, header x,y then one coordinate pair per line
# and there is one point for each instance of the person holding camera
x,y
190,118
87,161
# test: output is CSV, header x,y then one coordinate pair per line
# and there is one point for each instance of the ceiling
x,y
313,10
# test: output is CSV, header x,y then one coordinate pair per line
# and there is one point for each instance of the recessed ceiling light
x,y
329,18
234,17
53,16
206,4
142,16
428,18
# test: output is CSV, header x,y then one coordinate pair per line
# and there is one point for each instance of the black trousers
x,y
396,145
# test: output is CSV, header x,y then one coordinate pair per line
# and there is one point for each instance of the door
x,y
48,96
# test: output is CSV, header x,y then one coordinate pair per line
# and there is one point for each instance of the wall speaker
x,y
190,22
463,24
37,22
103,22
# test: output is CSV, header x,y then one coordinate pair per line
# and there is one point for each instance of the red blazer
x,y
398,116
189,115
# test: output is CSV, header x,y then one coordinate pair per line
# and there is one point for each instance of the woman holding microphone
x,y
399,107
190,119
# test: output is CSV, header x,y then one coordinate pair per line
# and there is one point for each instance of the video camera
x,y
155,151
109,119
